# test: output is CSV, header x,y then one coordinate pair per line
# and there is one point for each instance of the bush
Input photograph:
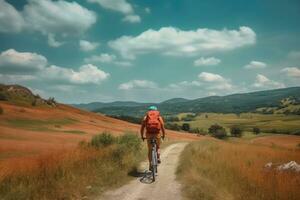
x,y
256,130
3,97
1,110
217,131
102,140
174,127
33,102
172,119
51,101
236,131
130,141
185,127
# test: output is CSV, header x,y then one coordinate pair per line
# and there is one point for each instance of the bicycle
x,y
154,162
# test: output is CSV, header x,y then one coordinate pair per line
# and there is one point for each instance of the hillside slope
x,y
27,130
235,103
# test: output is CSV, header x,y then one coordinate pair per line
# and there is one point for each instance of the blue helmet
x,y
152,108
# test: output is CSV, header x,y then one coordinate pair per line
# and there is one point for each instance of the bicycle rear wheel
x,y
154,163
153,173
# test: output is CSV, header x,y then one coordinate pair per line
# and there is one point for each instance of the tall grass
x,y
82,172
222,170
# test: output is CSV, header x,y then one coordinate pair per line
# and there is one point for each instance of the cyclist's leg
x,y
148,136
158,147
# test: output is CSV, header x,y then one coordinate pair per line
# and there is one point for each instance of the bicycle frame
x,y
154,158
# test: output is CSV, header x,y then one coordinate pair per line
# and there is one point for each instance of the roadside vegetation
x,y
246,122
82,172
217,169
1,110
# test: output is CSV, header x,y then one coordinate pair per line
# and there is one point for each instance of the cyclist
x,y
154,125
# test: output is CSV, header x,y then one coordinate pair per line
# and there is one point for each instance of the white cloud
x,y
215,81
121,6
10,19
123,63
107,58
293,72
12,61
86,74
117,5
139,84
49,17
147,10
210,77
207,61
255,65
206,82
12,79
132,19
264,82
52,42
172,41
184,84
102,58
294,55
58,17
87,46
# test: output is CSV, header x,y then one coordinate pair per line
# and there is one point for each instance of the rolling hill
x,y
235,103
31,125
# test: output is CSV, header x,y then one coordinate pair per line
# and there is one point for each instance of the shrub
x,y
1,110
3,97
172,119
188,117
33,102
217,131
130,141
256,130
51,101
236,131
102,140
174,127
185,127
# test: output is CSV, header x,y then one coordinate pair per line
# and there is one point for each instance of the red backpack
x,y
153,124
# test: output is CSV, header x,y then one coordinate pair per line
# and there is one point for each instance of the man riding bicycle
x,y
153,123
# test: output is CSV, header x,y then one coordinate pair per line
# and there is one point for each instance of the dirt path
x,y
142,188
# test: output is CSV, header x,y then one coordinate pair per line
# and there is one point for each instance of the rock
x,y
292,165
269,165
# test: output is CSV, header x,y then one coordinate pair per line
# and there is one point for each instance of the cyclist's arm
x,y
142,128
162,127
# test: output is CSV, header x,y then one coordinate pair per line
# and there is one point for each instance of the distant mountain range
x,y
235,103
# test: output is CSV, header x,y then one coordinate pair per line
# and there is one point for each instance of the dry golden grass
x,y
67,174
213,169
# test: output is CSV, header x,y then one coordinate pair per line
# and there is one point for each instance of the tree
x,y
185,127
217,131
236,131
256,130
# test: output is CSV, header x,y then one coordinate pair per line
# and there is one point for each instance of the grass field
x,y
78,173
214,169
35,124
274,123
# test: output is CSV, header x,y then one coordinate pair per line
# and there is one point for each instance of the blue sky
x,y
148,51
